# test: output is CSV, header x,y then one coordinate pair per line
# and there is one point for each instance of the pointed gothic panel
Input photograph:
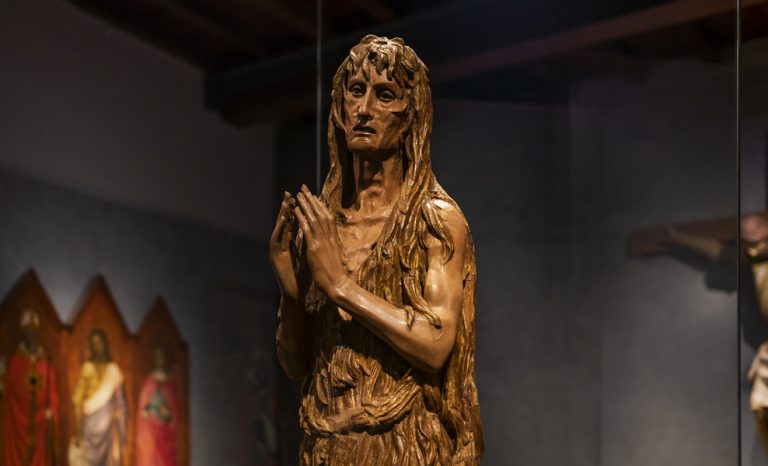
x,y
162,414
29,294
40,371
100,364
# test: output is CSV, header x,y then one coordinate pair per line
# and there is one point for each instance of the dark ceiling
x,y
260,59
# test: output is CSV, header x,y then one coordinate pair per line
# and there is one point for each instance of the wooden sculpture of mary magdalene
x,y
377,312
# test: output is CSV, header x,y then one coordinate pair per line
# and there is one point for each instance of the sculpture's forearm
x,y
421,344
293,339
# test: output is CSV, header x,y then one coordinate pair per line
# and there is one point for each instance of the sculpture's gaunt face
x,y
375,113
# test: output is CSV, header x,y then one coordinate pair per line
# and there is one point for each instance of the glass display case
x,y
591,148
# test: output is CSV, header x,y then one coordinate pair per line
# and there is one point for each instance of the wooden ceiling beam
x,y
279,12
106,12
243,86
762,11
200,20
651,19
377,9
125,16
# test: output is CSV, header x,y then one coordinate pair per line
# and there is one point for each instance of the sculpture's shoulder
x,y
448,230
446,208
441,205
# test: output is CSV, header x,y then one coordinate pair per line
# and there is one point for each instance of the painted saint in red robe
x,y
29,417
158,418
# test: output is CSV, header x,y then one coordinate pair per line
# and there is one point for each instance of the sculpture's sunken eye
x,y
357,90
386,95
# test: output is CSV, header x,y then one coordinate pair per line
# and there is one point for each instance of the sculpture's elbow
x,y
430,369
433,364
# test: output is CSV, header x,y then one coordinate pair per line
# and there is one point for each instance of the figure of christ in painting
x,y
99,409
377,309
158,417
30,414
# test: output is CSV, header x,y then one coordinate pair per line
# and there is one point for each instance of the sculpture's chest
x,y
358,240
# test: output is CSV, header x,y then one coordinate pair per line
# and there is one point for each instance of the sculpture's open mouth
x,y
363,129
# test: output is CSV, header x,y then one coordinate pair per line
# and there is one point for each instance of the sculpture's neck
x,y
377,181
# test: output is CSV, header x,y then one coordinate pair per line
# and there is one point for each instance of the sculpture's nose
x,y
364,111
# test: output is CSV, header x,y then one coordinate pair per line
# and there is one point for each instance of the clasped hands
x,y
321,240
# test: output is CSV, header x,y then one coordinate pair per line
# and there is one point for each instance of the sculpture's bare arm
x,y
423,345
292,331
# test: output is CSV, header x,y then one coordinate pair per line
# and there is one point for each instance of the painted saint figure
x,y
30,414
377,307
158,417
99,408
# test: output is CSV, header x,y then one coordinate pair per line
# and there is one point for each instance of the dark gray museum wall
x,y
657,149
90,107
216,285
506,165
585,356
94,120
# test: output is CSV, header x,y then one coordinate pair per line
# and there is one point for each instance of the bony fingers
x,y
311,198
321,208
279,227
306,209
318,207
285,208
302,221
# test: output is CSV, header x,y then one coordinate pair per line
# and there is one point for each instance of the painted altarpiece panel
x,y
99,315
162,437
48,380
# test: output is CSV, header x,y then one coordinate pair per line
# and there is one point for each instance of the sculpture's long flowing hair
x,y
396,268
